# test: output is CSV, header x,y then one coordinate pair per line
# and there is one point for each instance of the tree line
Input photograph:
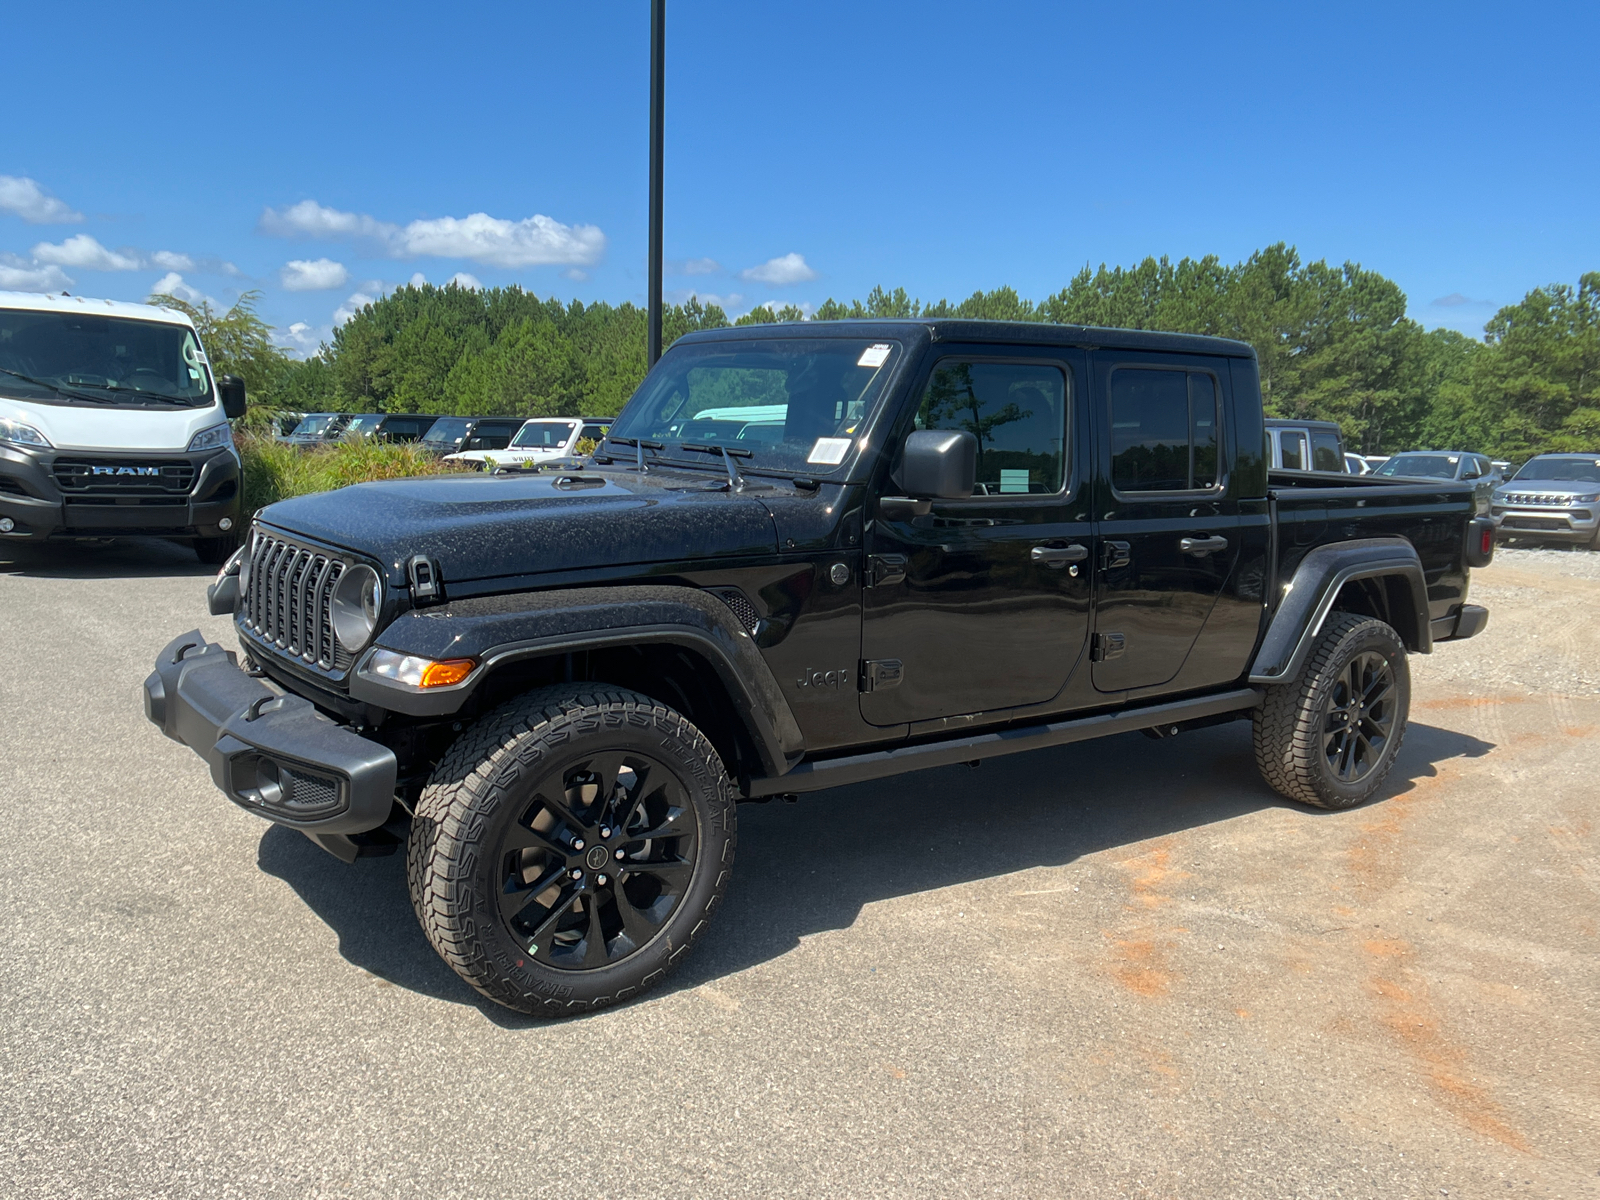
x,y
1334,343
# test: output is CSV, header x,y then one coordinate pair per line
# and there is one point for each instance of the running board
x,y
858,768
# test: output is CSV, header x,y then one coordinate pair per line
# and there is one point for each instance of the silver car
x,y
1554,497
1447,464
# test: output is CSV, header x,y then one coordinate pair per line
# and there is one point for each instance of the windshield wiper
x,y
640,445
55,387
735,480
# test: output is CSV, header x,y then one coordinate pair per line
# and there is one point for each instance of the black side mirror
x,y
938,464
231,389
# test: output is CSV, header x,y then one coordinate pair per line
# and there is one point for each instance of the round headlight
x,y
357,600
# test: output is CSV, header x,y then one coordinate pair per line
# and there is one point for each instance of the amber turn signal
x,y
443,674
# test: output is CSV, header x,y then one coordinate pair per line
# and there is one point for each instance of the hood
x,y
488,526
1555,489
105,427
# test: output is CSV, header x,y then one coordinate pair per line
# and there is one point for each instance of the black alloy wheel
x,y
1360,717
570,847
598,861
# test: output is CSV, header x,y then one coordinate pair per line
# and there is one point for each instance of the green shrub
x,y
274,471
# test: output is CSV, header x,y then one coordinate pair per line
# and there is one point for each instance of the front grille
x,y
12,488
288,601
123,477
305,795
1551,523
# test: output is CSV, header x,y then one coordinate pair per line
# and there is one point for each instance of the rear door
x,y
1169,533
982,604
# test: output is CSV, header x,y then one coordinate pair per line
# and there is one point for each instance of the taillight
x,y
1488,542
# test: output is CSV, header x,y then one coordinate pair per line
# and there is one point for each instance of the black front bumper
x,y
272,753
39,507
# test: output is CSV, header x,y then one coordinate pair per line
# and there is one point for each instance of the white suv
x,y
539,440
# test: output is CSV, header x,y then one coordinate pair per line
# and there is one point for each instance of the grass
x,y
273,471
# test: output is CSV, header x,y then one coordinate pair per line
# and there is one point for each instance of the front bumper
x,y
40,507
272,753
1555,523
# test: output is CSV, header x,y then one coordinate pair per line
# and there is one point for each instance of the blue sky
x,y
323,152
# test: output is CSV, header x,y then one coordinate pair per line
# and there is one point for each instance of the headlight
x,y
19,434
420,673
1589,499
211,439
357,600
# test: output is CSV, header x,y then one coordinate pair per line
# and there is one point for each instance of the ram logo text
x,y
125,470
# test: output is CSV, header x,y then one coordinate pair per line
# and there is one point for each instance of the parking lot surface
x,y
1120,968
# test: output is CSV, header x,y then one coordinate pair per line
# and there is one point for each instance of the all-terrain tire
x,y
1296,727
456,856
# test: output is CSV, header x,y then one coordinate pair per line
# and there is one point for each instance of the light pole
x,y
658,56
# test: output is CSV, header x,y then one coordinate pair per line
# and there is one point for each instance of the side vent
x,y
740,604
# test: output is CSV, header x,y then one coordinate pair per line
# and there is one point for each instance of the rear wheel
x,y
1330,737
570,847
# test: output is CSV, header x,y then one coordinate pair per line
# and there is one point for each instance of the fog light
x,y
225,524
7,524
417,672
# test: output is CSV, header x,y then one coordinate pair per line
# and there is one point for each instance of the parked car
x,y
543,439
284,423
448,435
1375,460
316,428
1354,464
1305,445
553,688
389,427
112,424
1553,498
1447,464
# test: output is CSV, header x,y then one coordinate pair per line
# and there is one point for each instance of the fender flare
x,y
497,630
1309,597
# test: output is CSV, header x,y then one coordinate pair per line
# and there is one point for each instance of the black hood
x,y
485,526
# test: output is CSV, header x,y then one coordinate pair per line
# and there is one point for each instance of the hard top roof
x,y
45,302
949,329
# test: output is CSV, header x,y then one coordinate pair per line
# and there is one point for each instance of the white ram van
x,y
112,425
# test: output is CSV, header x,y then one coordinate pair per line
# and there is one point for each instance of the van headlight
x,y
211,439
357,601
19,434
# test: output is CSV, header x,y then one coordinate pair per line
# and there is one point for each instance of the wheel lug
x,y
620,854
605,832
601,880
577,843
575,873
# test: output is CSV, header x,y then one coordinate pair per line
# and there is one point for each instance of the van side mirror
x,y
231,389
938,464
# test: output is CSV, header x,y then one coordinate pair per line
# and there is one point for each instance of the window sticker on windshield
x,y
872,356
829,452
199,356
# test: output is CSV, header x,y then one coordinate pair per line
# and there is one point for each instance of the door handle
x,y
1059,556
1115,554
884,569
1202,546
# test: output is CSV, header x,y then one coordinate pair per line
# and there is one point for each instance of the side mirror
x,y
938,464
231,389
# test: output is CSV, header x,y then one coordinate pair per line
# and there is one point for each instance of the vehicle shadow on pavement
x,y
133,558
812,866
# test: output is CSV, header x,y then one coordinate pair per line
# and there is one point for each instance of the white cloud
x,y
779,272
168,261
534,241
462,279
726,303
303,340
574,274
19,275
418,279
354,304
694,266
313,275
172,284
24,198
83,252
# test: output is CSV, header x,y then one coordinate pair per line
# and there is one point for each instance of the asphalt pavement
x,y
1121,968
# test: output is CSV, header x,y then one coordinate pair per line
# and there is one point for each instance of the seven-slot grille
x,y
288,601
122,477
1535,498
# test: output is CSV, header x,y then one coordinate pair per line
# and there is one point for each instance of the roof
x,y
1295,423
942,329
45,302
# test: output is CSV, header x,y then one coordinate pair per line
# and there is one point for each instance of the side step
x,y
879,764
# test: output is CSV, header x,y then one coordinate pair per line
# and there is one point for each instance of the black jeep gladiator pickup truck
x,y
806,555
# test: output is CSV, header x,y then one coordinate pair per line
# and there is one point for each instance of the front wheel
x,y
214,551
570,847
1329,737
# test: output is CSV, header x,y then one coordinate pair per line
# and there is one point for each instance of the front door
x,y
982,604
1169,534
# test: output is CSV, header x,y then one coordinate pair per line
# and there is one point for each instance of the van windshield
x,y
788,404
84,358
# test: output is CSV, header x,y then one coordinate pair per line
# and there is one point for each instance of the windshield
x,y
446,431
543,435
363,424
1427,466
83,358
313,426
1565,470
791,405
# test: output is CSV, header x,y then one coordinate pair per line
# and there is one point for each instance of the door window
x,y
1292,449
1164,430
1018,413
1326,451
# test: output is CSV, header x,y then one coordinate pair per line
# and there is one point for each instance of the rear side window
x,y
1292,449
1327,454
1018,413
1164,430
